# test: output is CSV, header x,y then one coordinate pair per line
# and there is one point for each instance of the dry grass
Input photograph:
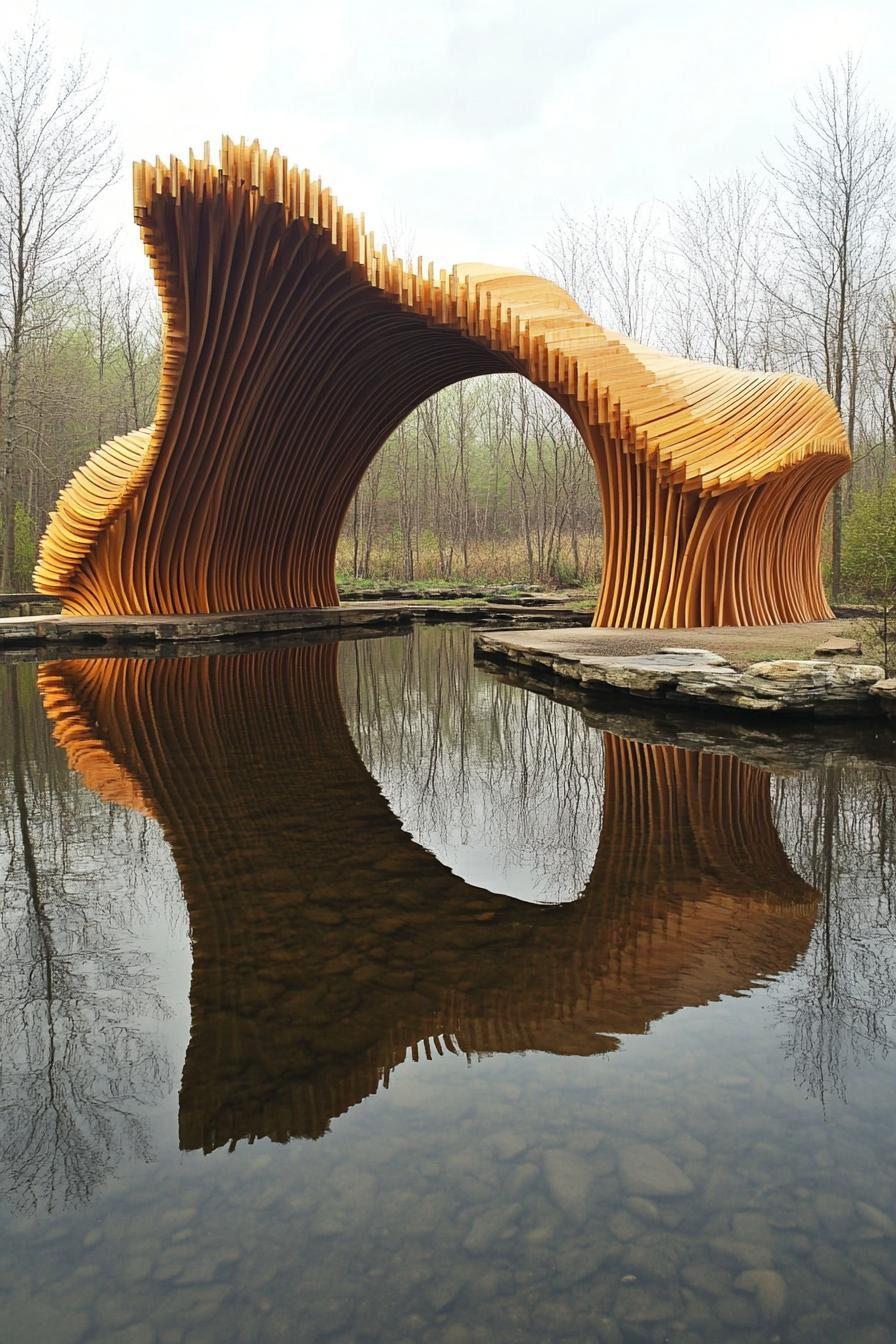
x,y
504,561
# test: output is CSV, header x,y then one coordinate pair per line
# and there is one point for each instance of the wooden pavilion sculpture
x,y
293,347
329,946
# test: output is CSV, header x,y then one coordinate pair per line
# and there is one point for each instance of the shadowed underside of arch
x,y
293,347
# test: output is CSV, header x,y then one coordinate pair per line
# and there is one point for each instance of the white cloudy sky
x,y
472,120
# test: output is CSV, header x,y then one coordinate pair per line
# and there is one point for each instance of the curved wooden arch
x,y
328,944
293,347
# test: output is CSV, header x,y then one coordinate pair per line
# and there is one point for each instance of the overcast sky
x,y
471,121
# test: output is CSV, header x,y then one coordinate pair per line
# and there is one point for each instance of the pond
x,y
353,991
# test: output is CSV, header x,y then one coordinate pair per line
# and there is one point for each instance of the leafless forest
x,y
788,268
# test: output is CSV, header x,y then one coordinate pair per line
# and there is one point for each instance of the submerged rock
x,y
749,1254
643,1305
508,1145
751,1225
876,1218
489,1226
569,1180
645,1170
707,1278
624,1226
769,1289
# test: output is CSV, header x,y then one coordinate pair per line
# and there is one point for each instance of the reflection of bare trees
x,y
469,763
839,825
79,1056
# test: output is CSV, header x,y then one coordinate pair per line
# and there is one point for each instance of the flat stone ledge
x,y
16,632
822,688
837,647
54,631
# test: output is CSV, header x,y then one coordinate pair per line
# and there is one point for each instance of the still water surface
x,y
349,992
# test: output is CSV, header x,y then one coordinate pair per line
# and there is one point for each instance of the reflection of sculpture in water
x,y
327,944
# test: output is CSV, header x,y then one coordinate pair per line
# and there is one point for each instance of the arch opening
x,y
487,482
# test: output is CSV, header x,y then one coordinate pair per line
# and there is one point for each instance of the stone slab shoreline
x,y
61,635
706,668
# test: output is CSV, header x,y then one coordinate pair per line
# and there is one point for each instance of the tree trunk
x,y
836,540
7,560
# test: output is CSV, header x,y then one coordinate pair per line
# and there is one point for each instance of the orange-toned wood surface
x,y
293,346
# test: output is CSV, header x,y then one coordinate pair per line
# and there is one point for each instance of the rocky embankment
x,y
832,684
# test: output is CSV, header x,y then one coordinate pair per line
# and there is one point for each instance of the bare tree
x,y
567,258
137,321
56,157
97,295
834,181
608,263
718,233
